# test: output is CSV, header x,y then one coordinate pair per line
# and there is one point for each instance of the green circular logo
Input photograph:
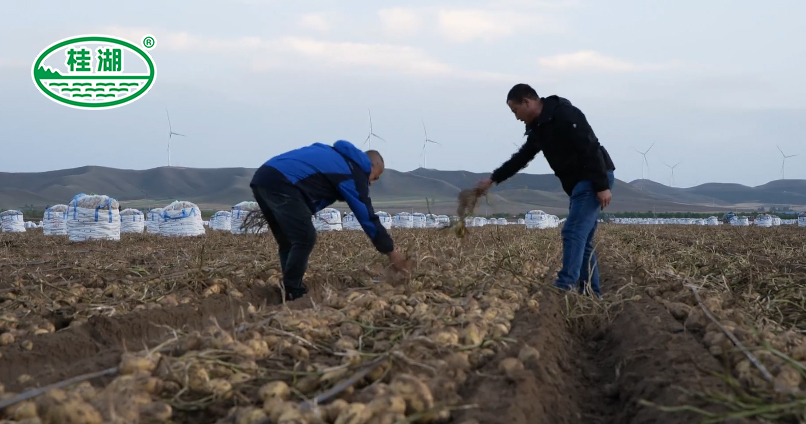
x,y
94,71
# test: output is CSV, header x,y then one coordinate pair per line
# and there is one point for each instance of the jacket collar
x,y
550,104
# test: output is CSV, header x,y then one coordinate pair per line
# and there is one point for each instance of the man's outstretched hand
x,y
398,261
484,185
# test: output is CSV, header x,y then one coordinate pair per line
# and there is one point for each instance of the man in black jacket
x,y
560,130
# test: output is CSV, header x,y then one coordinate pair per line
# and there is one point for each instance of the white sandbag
x,y
328,219
350,222
443,221
538,219
152,221
12,222
132,221
431,221
222,220
181,219
403,220
94,217
54,223
418,220
385,218
802,219
238,214
763,220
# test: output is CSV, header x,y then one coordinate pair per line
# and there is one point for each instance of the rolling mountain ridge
x,y
220,188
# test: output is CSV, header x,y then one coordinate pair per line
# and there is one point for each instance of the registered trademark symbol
x,y
149,42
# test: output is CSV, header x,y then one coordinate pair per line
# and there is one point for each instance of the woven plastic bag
x,y
181,219
12,221
93,218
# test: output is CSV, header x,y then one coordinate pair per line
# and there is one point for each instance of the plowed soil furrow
x,y
559,388
98,343
594,375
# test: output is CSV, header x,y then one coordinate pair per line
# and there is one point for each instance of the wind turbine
x,y
170,133
671,180
425,143
783,162
645,161
371,133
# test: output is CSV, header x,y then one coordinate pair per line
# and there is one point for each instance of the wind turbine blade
x,y
779,149
376,135
650,148
169,119
180,134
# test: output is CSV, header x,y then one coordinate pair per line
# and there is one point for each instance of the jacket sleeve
x,y
356,194
578,132
318,206
518,161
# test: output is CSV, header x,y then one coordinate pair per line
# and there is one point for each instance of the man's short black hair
x,y
520,92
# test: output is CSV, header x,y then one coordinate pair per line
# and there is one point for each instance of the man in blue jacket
x,y
293,186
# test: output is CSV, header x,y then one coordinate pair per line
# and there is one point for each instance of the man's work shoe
x,y
294,293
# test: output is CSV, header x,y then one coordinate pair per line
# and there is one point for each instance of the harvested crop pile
x,y
742,293
420,337
369,346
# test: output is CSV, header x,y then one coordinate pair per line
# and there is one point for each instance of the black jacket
x,y
571,148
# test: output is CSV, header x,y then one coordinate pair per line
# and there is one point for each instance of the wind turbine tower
x,y
170,133
783,162
645,161
425,143
671,180
368,141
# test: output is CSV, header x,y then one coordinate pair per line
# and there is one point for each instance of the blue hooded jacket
x,y
320,175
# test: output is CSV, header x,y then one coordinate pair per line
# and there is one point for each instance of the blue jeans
x,y
290,222
580,269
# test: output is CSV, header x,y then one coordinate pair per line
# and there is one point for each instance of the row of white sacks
x,y
737,221
330,219
99,217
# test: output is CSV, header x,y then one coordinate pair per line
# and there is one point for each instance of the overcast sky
x,y
715,84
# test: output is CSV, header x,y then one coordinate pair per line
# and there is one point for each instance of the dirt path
x,y
595,373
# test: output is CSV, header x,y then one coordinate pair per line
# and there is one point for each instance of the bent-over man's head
x,y
377,165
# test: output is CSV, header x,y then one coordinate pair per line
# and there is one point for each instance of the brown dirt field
x,y
604,361
598,373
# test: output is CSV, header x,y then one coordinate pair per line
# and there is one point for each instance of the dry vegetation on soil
x,y
193,330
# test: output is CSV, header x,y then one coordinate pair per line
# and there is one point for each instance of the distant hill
x,y
219,188
779,192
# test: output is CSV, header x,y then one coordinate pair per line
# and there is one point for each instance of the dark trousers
x,y
290,222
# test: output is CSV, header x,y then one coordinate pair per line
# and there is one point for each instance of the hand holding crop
x,y
398,261
484,185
